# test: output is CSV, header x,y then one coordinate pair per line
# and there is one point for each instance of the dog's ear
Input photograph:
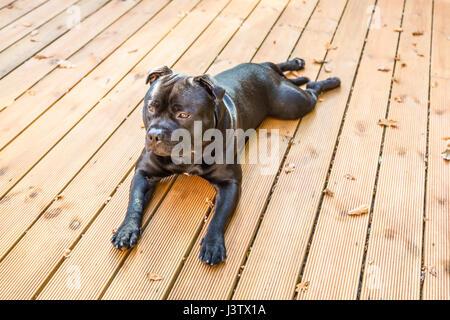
x,y
156,73
211,86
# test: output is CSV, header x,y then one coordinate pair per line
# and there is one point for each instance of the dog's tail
x,y
299,81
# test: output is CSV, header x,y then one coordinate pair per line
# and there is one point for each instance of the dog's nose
x,y
155,135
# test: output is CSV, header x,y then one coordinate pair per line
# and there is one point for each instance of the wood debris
x,y
383,68
417,33
289,167
388,123
27,24
153,276
114,230
398,30
34,32
327,69
434,84
328,192
403,64
67,253
302,286
359,211
133,51
398,99
394,79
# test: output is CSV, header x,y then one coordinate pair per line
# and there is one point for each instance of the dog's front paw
x,y
213,250
126,236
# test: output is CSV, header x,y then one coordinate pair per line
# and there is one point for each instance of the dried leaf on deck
x,y
329,46
288,168
349,177
67,253
153,276
320,61
359,211
383,68
302,286
388,123
64,64
40,57
446,154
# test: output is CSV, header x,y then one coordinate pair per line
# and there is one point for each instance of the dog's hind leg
x,y
295,64
291,65
321,86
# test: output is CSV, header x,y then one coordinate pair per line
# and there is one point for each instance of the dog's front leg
x,y
213,244
141,191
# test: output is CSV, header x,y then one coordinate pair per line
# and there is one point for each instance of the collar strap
x,y
231,108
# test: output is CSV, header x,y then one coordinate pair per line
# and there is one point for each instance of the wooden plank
x,y
394,252
334,262
23,49
21,27
4,3
20,155
70,215
59,166
227,22
171,250
197,281
437,228
16,10
42,95
246,41
23,77
275,257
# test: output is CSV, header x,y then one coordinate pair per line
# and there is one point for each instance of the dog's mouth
x,y
160,149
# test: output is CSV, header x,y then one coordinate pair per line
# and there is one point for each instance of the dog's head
x,y
175,101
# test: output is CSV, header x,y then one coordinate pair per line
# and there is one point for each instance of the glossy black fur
x,y
257,90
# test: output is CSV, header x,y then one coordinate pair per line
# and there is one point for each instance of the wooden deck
x,y
70,133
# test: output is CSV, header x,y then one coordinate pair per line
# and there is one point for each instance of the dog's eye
x,y
183,115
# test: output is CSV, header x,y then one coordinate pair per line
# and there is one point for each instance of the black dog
x,y
237,98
